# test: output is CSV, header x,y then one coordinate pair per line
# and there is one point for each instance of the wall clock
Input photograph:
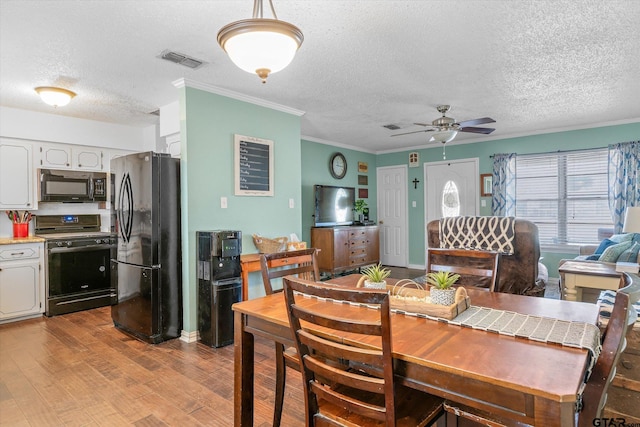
x,y
338,166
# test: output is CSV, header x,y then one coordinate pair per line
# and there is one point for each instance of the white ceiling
x,y
533,66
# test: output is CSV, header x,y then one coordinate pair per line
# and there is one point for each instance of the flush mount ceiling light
x,y
55,96
260,45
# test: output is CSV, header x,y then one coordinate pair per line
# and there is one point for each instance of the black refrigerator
x,y
148,263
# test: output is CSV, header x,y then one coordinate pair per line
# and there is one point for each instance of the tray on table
x,y
412,300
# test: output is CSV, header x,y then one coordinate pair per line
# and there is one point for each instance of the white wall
x,y
16,123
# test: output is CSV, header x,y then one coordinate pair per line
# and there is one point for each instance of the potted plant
x,y
359,208
442,292
375,276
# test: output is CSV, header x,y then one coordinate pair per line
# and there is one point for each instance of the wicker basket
x,y
268,246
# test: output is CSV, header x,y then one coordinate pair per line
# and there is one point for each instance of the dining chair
x,y
594,395
347,383
476,268
302,263
623,315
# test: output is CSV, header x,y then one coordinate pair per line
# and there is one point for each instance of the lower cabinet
x,y
346,248
21,281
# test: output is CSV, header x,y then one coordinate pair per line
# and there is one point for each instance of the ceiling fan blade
x,y
415,131
476,122
472,129
421,124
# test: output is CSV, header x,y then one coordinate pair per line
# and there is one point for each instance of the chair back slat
x,y
476,268
302,263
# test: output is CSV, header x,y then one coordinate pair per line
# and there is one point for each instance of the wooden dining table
x,y
517,379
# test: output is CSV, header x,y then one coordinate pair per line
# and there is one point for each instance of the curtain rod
x,y
558,151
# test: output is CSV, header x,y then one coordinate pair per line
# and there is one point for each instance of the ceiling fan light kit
x,y
444,136
260,45
55,96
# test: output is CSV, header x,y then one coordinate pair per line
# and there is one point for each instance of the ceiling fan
x,y
446,128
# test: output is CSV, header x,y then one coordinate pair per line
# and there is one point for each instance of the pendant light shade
x,y
260,45
55,96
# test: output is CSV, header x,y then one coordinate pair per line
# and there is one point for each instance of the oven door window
x,y
78,270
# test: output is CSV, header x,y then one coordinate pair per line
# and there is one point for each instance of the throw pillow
x,y
619,238
604,245
631,254
612,253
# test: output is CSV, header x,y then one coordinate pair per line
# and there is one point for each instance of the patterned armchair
x,y
521,272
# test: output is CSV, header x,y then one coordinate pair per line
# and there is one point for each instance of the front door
x,y
392,215
452,189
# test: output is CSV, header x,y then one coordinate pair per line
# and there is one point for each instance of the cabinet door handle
x,y
17,253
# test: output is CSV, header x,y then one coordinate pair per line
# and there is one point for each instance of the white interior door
x,y
452,189
392,215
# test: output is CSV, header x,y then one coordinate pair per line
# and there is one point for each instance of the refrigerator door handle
x,y
126,196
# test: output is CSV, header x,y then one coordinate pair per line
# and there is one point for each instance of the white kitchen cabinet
x,y
21,281
62,156
17,178
173,145
87,158
56,156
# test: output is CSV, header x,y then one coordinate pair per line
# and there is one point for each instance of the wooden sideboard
x,y
346,248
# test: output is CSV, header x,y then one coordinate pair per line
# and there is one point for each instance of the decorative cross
x,y
415,183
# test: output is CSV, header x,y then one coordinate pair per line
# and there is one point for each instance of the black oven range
x,y
77,263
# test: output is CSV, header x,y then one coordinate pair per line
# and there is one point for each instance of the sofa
x,y
521,272
612,249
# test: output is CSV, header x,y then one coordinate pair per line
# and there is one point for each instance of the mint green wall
x,y
208,125
570,140
315,167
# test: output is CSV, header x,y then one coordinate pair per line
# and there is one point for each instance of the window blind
x,y
565,194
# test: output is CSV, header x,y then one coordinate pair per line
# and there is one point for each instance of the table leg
x,y
242,373
569,291
245,284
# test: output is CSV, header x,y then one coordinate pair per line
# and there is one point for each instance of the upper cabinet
x,y
173,145
17,179
58,156
88,158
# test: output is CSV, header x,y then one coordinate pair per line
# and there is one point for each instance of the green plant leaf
x,y
442,279
376,273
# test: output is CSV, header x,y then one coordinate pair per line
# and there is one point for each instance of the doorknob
x,y
381,222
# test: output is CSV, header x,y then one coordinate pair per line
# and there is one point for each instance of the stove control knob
x,y
59,243
68,242
98,241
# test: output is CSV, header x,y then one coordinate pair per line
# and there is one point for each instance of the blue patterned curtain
x,y
624,180
503,201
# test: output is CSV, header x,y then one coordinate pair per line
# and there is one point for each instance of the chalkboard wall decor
x,y
253,166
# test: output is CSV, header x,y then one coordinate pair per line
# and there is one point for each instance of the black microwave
x,y
72,186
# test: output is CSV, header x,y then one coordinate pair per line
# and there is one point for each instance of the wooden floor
x,y
78,370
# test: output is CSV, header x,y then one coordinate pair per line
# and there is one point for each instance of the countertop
x,y
15,240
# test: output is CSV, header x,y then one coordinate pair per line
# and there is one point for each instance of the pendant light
x,y
260,45
55,96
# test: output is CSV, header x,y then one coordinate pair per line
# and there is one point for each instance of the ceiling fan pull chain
x,y
444,153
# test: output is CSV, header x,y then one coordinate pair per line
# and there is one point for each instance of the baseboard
x,y
417,267
189,337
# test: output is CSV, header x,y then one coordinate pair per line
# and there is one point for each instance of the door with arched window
x,y
451,189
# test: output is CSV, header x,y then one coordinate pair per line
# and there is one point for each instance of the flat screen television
x,y
334,205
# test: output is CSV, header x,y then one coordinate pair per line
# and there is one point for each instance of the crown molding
x,y
180,83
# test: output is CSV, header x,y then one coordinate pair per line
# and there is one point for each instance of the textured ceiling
x,y
533,66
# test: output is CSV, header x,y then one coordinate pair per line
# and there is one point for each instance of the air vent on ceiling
x,y
181,58
391,126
